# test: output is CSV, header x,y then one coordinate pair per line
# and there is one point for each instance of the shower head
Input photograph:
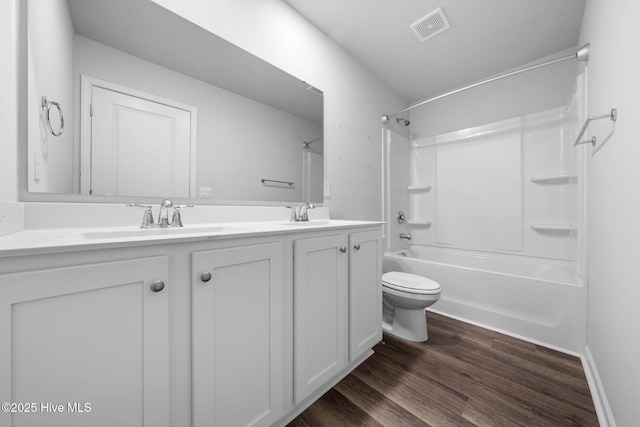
x,y
306,144
385,119
404,121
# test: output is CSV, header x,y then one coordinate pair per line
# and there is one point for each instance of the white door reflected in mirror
x,y
127,126
254,119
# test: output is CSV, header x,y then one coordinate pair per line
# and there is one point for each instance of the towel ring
x,y
46,106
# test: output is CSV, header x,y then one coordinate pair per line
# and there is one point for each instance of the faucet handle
x,y
303,215
401,218
294,214
176,219
147,219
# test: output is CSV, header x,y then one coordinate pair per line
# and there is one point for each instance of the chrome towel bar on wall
x,y
46,109
289,183
613,116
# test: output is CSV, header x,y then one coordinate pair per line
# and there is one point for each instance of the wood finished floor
x,y
463,376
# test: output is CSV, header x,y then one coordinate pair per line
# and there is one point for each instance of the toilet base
x,y
407,324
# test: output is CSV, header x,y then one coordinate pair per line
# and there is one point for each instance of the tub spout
x,y
405,236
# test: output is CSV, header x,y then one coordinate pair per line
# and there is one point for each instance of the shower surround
x,y
509,193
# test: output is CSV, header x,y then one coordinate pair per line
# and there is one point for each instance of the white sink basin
x,y
116,233
314,223
203,229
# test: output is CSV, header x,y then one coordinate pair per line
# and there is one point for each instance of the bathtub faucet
x,y
405,236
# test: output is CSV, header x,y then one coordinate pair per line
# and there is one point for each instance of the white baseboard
x,y
605,416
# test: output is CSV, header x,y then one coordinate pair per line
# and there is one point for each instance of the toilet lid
x,y
408,282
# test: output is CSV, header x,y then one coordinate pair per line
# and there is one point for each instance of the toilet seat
x,y
411,283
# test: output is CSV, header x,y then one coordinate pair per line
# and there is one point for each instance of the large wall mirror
x,y
126,99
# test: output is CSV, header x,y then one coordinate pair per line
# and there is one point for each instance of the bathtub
x,y
538,300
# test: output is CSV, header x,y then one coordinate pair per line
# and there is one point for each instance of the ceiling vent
x,y
314,89
432,24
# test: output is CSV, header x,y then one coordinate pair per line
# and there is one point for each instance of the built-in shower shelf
x,y
552,228
419,188
419,222
558,178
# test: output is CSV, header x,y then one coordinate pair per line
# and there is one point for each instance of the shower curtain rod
x,y
581,54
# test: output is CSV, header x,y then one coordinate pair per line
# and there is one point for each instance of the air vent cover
x,y
432,24
314,90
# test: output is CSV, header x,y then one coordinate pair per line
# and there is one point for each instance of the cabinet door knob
x,y
356,247
157,286
343,249
205,277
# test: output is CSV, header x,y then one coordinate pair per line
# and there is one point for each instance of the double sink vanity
x,y
224,323
241,317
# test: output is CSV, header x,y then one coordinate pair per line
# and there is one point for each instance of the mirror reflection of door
x,y
138,146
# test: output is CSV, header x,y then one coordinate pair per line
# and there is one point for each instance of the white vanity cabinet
x,y
240,329
320,311
86,345
238,334
337,287
365,292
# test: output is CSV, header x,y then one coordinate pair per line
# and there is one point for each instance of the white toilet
x,y
405,296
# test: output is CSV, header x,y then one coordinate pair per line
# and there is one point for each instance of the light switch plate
x,y
326,191
37,166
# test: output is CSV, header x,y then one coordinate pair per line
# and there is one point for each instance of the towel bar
x,y
613,116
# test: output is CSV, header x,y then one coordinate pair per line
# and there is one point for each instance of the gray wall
x,y
614,202
354,99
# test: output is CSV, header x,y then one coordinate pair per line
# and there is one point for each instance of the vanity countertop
x,y
40,241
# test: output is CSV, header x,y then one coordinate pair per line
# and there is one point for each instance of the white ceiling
x,y
486,37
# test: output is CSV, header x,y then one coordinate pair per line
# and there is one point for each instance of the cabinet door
x,y
365,292
238,335
320,312
87,345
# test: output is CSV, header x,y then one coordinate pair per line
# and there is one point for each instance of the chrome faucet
x,y
147,218
176,219
405,236
163,215
301,214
